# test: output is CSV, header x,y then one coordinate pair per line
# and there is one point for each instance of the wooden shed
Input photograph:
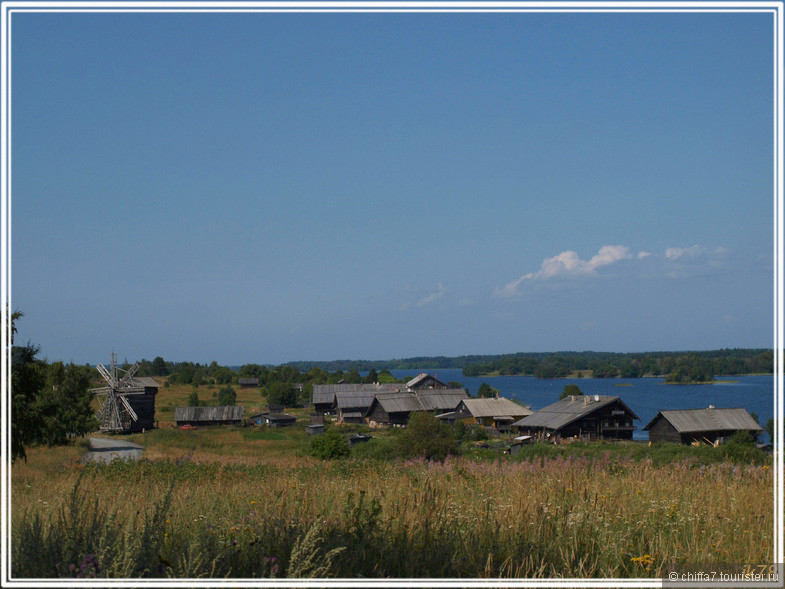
x,y
248,383
585,417
711,425
279,419
201,416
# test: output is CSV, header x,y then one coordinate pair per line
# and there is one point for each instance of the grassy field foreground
x,y
250,503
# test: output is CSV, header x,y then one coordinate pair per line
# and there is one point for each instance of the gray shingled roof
x,y
702,420
399,402
494,407
354,399
217,414
144,381
565,411
441,399
325,393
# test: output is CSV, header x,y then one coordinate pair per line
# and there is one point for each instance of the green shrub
x,y
426,437
330,445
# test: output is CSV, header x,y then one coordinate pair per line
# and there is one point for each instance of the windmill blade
x,y
128,408
99,415
105,373
128,375
101,390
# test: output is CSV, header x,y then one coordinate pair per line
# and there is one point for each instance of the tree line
x,y
677,366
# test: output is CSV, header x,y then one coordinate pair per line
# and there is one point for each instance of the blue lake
x,y
645,396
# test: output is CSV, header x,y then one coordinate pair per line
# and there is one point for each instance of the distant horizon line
x,y
449,357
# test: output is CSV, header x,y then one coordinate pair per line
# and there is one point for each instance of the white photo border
x,y
6,17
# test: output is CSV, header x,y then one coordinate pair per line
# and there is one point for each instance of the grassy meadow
x,y
252,503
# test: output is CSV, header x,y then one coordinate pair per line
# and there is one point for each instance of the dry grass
x,y
236,500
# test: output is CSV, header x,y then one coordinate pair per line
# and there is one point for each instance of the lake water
x,y
645,396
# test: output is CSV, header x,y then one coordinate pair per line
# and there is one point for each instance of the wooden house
x,y
395,408
425,381
712,426
248,383
439,400
351,406
584,417
201,416
498,412
323,395
143,404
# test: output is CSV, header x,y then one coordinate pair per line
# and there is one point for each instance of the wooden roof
x,y
402,402
144,381
417,380
216,414
571,408
495,407
706,420
325,393
440,399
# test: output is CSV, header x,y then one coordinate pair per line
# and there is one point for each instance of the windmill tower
x,y
116,413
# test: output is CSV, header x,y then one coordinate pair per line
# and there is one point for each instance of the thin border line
x,y
375,7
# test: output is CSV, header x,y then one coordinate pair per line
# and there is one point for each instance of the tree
x,y
48,403
487,390
227,396
193,399
570,389
426,437
158,367
280,393
770,429
64,404
372,377
330,445
27,379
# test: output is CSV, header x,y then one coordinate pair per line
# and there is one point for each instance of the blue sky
x,y
275,187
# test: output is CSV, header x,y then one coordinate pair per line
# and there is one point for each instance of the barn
x,y
584,417
143,404
708,426
248,383
200,416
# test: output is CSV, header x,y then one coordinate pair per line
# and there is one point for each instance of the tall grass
x,y
573,516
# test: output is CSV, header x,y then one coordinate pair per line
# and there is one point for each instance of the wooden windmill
x,y
116,413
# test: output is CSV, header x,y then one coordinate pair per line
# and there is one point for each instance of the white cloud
x,y
427,300
568,263
688,261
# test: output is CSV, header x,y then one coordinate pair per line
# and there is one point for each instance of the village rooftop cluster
x,y
573,418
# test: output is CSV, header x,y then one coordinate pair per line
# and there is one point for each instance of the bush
x,y
470,433
330,445
227,396
426,437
